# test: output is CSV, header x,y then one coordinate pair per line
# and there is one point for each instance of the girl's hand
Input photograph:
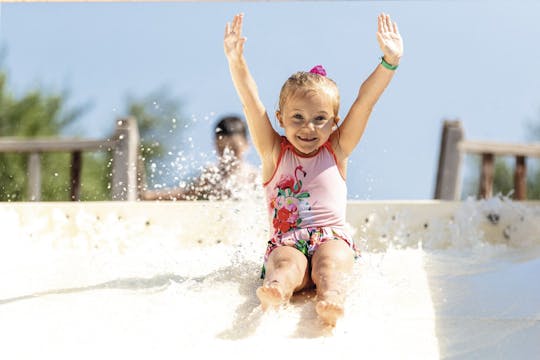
x,y
233,42
389,39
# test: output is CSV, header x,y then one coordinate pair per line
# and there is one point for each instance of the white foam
x,y
149,281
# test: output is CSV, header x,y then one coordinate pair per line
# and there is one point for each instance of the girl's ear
x,y
280,119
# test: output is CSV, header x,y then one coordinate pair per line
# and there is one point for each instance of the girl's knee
x,y
286,263
288,267
334,253
333,260
286,258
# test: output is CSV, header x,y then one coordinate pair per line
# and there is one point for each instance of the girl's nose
x,y
309,125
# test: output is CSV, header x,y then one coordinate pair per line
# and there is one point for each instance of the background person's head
x,y
231,134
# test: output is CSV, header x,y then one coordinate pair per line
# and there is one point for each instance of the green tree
x,y
39,114
533,185
503,178
503,181
533,178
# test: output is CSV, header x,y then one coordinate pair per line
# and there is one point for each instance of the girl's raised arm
x,y
353,125
264,137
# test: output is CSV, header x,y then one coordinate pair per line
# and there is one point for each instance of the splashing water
x,y
153,279
472,224
206,176
189,164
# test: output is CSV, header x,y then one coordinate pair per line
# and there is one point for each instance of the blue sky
x,y
475,61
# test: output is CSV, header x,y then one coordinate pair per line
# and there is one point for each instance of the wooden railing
x,y
124,144
453,147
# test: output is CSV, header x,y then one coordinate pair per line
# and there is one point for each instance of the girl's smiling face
x,y
308,120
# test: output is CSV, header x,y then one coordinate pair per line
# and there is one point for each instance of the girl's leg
x,y
286,272
331,264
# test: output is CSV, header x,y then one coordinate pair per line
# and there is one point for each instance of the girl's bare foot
x,y
330,307
271,295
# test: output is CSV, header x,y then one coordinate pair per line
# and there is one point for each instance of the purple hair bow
x,y
319,70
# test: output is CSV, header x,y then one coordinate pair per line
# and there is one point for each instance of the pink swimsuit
x,y
307,198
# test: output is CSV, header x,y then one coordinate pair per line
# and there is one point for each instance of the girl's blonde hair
x,y
304,82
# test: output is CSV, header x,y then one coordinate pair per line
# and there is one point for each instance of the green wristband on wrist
x,y
387,65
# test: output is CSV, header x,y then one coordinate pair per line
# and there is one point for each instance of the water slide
x,y
132,280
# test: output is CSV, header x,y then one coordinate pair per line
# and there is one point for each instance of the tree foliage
x,y
503,178
40,114
34,114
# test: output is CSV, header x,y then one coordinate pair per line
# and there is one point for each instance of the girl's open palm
x,y
233,42
389,38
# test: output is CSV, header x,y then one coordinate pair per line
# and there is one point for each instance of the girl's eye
x,y
320,119
298,117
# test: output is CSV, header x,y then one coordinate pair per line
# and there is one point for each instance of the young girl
x,y
304,172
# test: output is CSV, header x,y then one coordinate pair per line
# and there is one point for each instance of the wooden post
x,y
486,176
448,186
520,179
76,166
34,177
125,160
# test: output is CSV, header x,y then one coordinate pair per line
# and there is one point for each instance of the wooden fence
x,y
124,145
454,147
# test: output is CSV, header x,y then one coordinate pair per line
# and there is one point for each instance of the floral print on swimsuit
x,y
288,202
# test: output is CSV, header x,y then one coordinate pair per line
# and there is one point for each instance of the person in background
x,y
231,178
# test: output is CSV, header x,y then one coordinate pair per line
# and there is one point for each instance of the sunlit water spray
x,y
201,173
183,275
